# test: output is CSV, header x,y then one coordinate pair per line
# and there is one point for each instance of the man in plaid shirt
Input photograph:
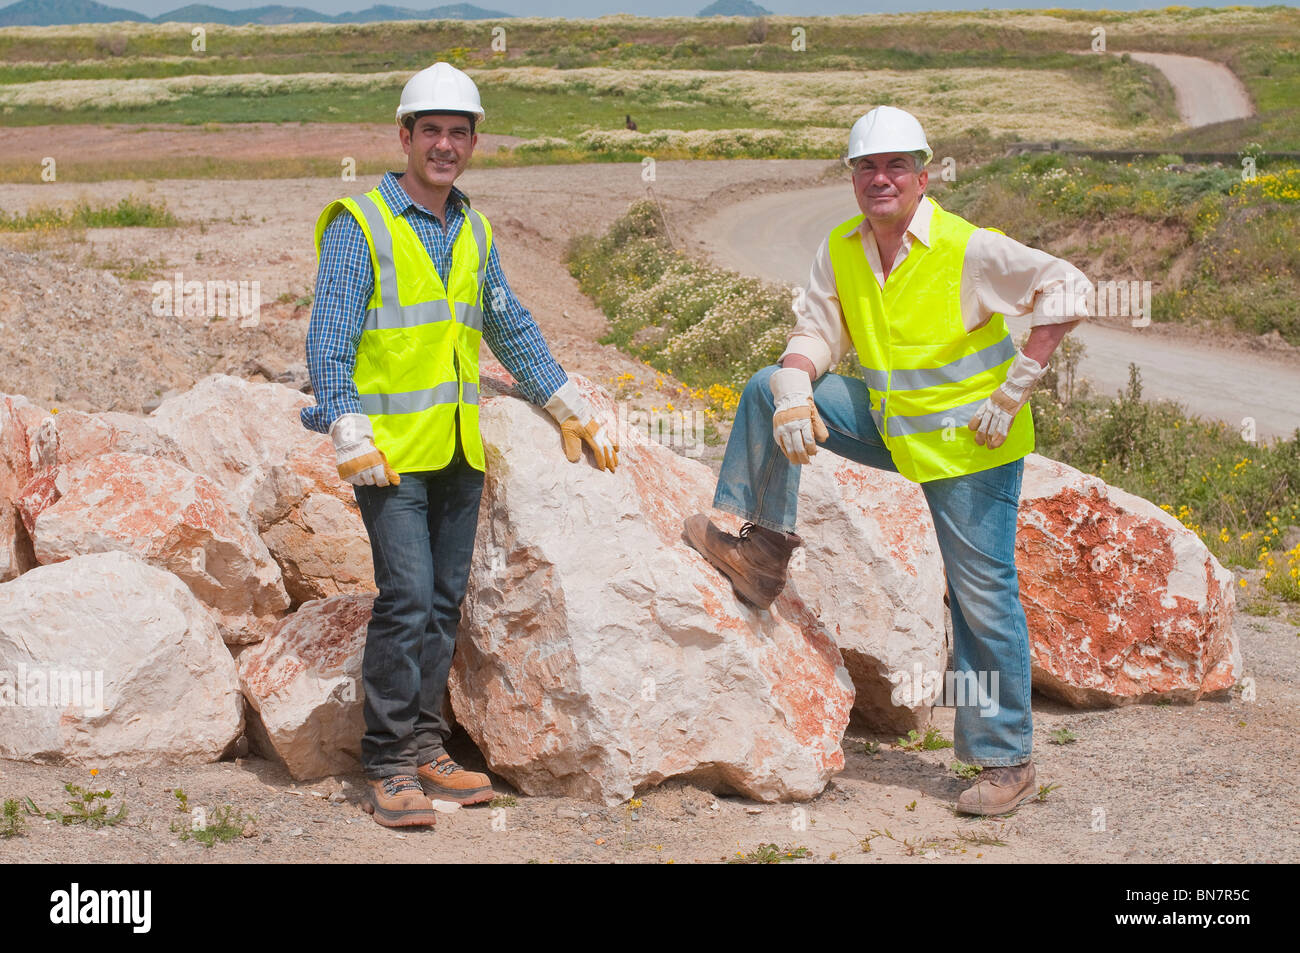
x,y
396,384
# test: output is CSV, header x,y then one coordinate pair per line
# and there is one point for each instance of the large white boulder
x,y
598,654
871,571
106,659
248,438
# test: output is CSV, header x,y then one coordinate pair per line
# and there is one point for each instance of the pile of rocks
x,y
598,654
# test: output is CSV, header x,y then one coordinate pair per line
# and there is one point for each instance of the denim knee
x,y
758,386
409,606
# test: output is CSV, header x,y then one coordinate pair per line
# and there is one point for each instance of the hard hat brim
x,y
468,109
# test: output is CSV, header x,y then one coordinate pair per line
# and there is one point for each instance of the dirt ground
x,y
1213,782
1209,782
236,140
77,335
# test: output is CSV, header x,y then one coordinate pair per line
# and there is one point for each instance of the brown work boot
x,y
755,561
398,802
445,780
998,790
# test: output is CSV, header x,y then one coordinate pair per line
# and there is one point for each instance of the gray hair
x,y
918,161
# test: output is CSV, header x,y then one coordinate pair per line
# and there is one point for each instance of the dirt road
x,y
774,236
1205,92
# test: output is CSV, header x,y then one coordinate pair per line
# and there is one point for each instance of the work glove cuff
x,y
566,402
1022,375
351,429
791,387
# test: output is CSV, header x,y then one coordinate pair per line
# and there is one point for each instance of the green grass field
x,y
1261,44
356,72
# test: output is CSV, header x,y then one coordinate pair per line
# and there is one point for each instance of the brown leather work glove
x,y
569,408
593,434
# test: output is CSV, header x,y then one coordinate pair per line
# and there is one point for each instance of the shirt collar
x,y
918,227
398,201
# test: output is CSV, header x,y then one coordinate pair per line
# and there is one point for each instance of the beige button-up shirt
x,y
1000,276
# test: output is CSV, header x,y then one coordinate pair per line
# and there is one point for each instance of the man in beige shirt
x,y
920,293
1001,276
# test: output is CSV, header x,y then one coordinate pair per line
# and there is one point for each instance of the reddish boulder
x,y
248,438
20,459
72,435
1124,603
174,519
304,682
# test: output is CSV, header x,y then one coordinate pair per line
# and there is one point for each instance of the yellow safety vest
x,y
926,373
417,360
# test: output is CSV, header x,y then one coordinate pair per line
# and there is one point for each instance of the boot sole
x,y
697,543
400,818
462,797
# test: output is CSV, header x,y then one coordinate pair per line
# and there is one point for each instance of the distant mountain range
x,y
60,12
734,8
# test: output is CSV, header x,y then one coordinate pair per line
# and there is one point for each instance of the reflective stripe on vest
x,y
926,374
984,359
416,367
414,401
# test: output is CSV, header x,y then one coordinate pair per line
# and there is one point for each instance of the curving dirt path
x,y
1205,92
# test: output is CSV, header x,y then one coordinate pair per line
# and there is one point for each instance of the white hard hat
x,y
887,129
439,88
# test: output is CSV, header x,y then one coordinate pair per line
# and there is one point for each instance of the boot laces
x,y
398,783
447,767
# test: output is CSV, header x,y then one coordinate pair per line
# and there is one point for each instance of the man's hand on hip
x,y
992,421
360,462
579,424
796,426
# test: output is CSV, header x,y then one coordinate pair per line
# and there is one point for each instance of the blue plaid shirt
x,y
345,280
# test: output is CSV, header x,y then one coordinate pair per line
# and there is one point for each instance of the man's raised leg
x,y
759,484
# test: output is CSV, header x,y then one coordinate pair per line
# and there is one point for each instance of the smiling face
x,y
438,147
888,187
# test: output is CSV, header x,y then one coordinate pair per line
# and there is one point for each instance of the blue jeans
x,y
975,520
421,537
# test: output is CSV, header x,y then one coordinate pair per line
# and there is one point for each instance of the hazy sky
x,y
596,8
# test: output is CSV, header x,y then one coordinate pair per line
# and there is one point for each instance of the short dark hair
x,y
409,119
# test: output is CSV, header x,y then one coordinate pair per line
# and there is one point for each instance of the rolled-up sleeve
x,y
1002,276
819,333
